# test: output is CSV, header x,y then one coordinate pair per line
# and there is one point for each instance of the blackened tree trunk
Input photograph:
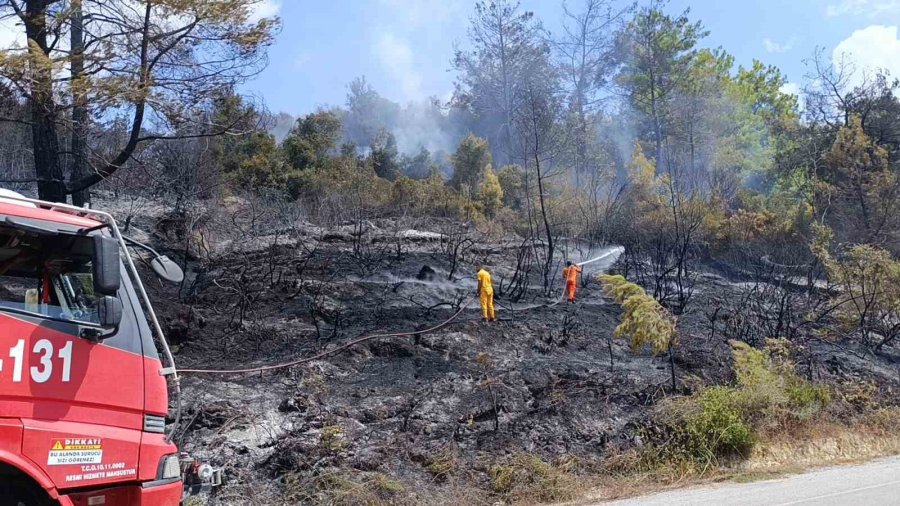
x,y
42,107
80,167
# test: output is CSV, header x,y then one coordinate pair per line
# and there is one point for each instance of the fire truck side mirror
x,y
107,276
167,270
109,312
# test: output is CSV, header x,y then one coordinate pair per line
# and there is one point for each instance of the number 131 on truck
x,y
85,370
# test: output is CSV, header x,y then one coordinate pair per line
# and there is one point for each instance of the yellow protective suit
x,y
486,295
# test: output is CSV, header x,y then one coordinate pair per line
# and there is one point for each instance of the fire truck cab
x,y
83,388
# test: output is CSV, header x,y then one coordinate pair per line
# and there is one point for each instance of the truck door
x,y
80,401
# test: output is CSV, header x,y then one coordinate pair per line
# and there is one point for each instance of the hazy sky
x,y
404,47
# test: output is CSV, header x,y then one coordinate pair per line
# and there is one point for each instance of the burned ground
x,y
424,419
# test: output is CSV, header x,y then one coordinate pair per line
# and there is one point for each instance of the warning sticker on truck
x,y
67,452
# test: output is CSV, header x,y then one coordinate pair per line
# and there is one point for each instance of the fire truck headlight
x,y
205,472
169,467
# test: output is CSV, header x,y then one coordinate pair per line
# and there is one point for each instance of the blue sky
x,y
404,47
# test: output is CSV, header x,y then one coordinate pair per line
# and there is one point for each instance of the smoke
x,y
418,124
281,125
423,124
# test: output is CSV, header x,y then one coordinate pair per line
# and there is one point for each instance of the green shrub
x,y
703,427
807,399
718,426
696,430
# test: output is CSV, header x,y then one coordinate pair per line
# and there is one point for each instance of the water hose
x,y
330,352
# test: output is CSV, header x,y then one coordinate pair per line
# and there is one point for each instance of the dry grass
x,y
527,479
340,488
804,447
443,464
821,444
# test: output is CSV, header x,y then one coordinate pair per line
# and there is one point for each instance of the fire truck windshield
x,y
47,275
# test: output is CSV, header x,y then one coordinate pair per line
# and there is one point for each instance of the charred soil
x,y
462,415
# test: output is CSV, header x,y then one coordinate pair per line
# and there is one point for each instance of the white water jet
x,y
614,252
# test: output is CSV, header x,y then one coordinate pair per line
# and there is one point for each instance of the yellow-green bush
x,y
727,420
771,389
707,426
643,320
432,197
490,193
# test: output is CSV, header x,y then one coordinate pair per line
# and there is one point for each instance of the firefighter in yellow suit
x,y
486,294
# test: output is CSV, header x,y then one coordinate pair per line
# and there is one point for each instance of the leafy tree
x,y
693,127
367,114
469,161
641,172
256,163
657,51
490,193
157,62
311,140
506,42
761,86
512,182
765,123
229,108
869,279
717,138
418,166
857,191
384,155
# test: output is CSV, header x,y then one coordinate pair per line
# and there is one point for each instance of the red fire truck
x,y
83,388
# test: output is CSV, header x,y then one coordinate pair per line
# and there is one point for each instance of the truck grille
x,y
153,423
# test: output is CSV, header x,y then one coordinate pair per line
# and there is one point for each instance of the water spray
x,y
618,250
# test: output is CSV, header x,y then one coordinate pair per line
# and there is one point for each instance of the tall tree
x,y
506,42
156,61
538,121
586,54
658,50
469,161
857,193
248,157
312,139
368,113
80,118
384,155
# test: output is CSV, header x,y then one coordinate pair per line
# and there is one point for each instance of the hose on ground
x,y
333,351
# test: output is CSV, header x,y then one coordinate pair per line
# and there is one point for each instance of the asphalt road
x,y
875,483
